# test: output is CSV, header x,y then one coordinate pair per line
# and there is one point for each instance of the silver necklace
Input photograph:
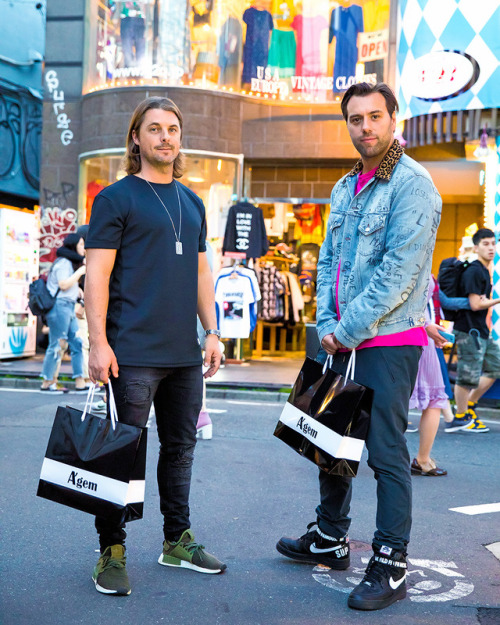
x,y
178,242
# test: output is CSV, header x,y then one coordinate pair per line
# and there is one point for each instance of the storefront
x,y
305,51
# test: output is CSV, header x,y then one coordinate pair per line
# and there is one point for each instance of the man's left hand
x,y
331,344
213,355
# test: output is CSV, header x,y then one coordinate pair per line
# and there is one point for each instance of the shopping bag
x,y
94,464
326,417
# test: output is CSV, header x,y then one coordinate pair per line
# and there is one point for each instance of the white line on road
x,y
479,509
255,403
495,549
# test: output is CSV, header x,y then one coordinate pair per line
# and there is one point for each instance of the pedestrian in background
x,y
147,279
429,394
373,276
81,317
62,283
478,355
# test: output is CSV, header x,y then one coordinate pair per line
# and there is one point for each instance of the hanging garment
x,y
309,225
229,52
234,301
252,276
256,48
297,300
174,39
273,289
282,53
345,24
245,231
309,29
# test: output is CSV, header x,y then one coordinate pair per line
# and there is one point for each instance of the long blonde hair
x,y
132,158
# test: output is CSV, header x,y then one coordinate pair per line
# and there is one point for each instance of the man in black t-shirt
x,y
147,280
478,354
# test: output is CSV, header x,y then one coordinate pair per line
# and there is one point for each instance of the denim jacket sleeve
x,y
326,316
453,303
410,235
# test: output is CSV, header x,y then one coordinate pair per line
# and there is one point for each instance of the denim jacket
x,y
383,239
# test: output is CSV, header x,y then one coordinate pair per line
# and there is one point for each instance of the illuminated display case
x,y
216,178
283,49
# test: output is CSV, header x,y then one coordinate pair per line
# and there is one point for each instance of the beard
x,y
374,149
160,160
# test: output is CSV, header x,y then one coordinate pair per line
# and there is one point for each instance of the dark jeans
x,y
177,395
391,372
132,35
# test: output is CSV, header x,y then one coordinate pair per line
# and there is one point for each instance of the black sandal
x,y
434,471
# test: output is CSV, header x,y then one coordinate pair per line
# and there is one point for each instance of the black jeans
x,y
391,372
177,394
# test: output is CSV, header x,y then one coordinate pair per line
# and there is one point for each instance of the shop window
x,y
213,178
281,49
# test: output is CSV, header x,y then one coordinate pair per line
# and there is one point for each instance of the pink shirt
x,y
413,336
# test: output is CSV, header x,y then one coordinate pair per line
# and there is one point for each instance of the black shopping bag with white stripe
x,y
326,418
94,464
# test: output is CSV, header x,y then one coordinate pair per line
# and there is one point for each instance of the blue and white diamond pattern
x,y
495,318
471,26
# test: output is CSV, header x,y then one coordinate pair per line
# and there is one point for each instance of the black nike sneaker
x,y
384,581
315,547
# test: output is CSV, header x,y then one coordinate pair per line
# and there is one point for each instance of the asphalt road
x,y
248,489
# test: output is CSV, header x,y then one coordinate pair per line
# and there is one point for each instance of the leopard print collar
x,y
386,167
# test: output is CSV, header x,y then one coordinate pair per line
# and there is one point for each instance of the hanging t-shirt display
x,y
245,231
256,49
309,31
234,304
345,24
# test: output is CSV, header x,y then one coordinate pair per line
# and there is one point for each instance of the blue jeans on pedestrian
x,y
177,394
391,373
63,330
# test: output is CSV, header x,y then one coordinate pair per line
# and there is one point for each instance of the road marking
x,y
29,390
479,509
413,413
254,403
216,411
495,549
421,591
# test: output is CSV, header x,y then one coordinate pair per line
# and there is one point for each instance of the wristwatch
x,y
216,332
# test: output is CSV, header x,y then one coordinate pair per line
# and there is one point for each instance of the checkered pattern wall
x,y
495,319
470,26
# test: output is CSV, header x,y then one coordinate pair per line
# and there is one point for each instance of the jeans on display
x,y
63,331
391,372
132,35
177,394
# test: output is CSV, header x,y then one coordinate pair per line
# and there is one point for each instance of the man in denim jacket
x,y
373,277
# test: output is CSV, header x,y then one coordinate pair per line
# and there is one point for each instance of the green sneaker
x,y
110,575
188,554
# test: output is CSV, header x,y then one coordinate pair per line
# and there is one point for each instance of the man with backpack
x,y
478,364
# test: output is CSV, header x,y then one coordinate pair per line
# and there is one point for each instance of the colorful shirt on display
x,y
234,303
309,31
345,24
256,48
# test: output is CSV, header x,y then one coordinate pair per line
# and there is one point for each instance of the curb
x,y
256,392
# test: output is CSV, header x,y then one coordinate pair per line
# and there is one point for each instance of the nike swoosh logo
x,y
394,585
315,549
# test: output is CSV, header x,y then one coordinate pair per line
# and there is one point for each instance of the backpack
x,y
450,273
40,301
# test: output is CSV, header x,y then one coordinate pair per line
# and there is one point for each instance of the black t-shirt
x,y
245,231
475,279
153,291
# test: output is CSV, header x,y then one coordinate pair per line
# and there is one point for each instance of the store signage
x,y
268,81
373,46
444,74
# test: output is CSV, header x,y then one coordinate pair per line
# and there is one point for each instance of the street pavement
x,y
248,489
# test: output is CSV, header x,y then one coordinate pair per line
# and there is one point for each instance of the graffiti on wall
x,y
58,219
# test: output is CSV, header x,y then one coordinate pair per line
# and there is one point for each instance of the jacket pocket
x,y
371,235
335,222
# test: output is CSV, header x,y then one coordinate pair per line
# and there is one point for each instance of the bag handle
x,y
111,401
351,366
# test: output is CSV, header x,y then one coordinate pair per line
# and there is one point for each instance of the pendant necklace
x,y
178,242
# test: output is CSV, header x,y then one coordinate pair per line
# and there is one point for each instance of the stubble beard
x,y
160,164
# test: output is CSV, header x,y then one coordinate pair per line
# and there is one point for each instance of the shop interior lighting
x,y
196,173
219,165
